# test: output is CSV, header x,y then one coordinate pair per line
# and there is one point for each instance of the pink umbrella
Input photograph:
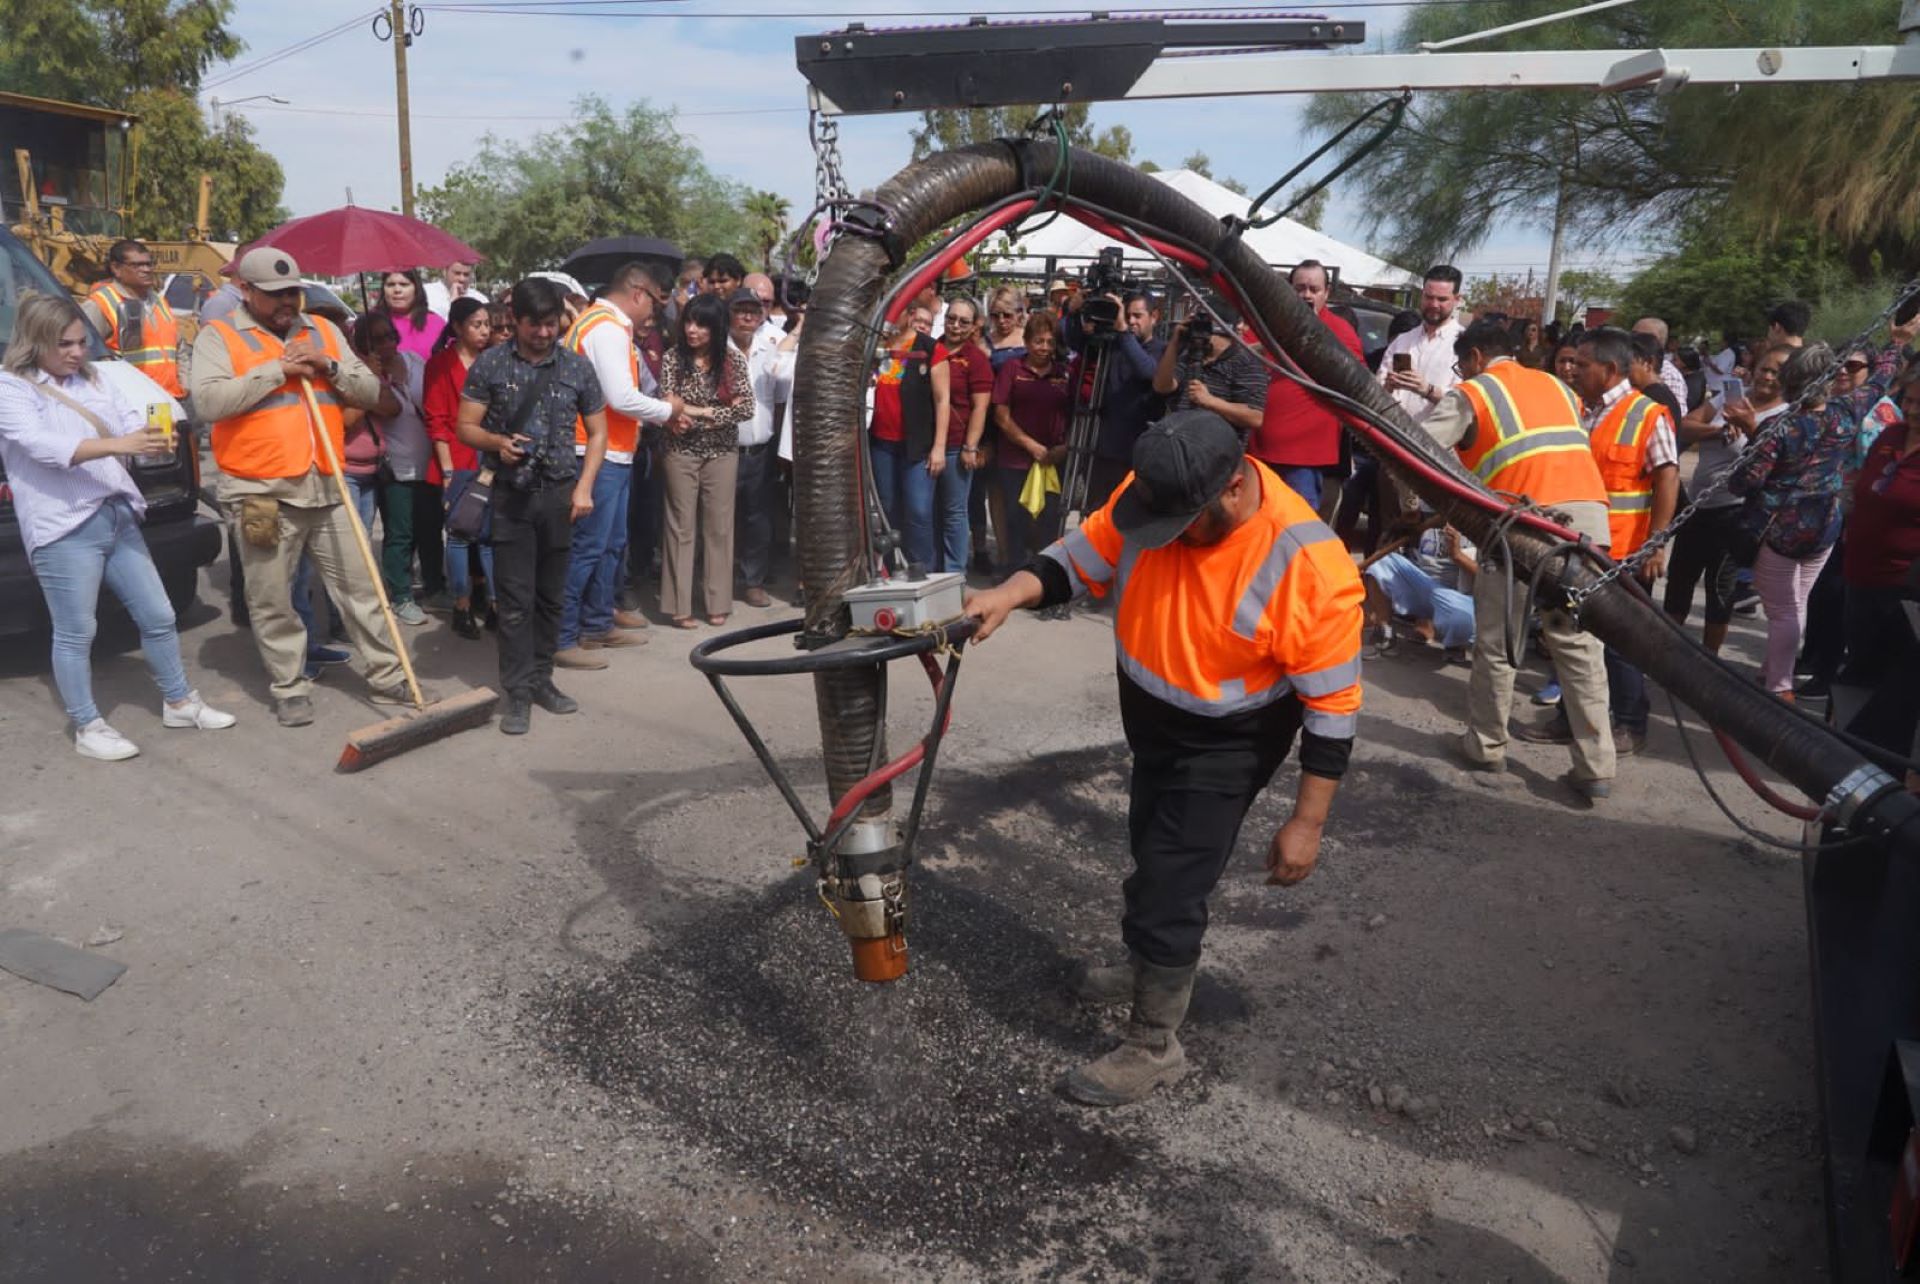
x,y
351,239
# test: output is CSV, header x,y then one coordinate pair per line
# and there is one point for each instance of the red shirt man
x,y
1299,436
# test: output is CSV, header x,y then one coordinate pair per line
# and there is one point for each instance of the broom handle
x,y
360,538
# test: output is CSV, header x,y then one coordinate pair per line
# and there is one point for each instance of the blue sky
x,y
733,81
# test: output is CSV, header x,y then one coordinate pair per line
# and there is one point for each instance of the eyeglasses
x,y
1003,316
1855,367
137,265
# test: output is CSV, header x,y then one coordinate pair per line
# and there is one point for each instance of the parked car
x,y
181,537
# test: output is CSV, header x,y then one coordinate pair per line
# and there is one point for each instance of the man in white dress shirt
x,y
589,618
1418,367
456,282
770,353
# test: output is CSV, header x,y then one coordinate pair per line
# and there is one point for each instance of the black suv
x,y
181,538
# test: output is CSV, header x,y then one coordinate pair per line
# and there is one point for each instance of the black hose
x,y
933,192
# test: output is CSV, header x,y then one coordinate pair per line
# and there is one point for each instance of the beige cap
x,y
266,268
1058,283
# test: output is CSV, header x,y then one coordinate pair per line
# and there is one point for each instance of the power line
x,y
593,9
387,115
237,70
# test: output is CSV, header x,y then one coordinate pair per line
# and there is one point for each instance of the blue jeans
x,y
890,466
947,540
1628,687
593,564
1304,482
107,546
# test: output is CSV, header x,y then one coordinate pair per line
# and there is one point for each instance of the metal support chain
x,y
1815,392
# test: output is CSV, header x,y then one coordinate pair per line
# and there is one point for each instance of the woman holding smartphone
x,y
65,439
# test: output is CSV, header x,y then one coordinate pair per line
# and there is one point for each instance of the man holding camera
x,y
1125,324
1204,369
521,404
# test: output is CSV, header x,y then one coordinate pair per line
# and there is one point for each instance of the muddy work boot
x,y
1149,1053
1101,984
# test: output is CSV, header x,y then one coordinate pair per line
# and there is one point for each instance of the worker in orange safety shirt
x,y
1237,623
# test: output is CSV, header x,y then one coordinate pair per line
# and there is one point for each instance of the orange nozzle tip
x,y
879,958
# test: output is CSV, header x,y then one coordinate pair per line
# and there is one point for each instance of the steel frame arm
x,y
858,72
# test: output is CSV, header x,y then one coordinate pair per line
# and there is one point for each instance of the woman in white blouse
x,y
64,437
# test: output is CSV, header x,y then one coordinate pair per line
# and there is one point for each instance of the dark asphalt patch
x,y
923,1111
104,1207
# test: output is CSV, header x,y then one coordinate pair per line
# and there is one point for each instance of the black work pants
x,y
1184,814
1883,656
755,494
1823,645
1703,550
646,510
532,538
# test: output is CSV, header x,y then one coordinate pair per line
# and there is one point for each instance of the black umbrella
x,y
594,263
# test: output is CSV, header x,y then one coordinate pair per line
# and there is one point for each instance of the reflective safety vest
x,y
1527,438
274,437
1273,609
1620,442
623,431
155,349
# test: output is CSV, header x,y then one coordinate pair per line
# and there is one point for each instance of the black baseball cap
x,y
745,298
1180,465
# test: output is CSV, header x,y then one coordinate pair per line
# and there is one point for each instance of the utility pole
x,y
403,23
1552,304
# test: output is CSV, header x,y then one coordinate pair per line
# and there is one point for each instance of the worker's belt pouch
x,y
470,505
260,521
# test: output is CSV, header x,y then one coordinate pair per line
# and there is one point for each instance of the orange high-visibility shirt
x,y
1527,438
275,437
1620,443
1221,629
157,354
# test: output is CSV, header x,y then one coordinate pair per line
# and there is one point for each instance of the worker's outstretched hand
x,y
1294,852
991,607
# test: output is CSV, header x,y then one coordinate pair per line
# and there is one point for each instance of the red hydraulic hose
x,y
851,800
958,246
1799,811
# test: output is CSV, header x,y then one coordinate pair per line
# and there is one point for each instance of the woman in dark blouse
x,y
1030,402
701,461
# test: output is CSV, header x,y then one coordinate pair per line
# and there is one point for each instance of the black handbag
x,y
470,505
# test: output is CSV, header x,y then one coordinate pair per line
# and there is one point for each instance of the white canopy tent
x,y
1282,244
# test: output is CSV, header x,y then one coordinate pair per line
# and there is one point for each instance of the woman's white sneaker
x,y
98,740
195,713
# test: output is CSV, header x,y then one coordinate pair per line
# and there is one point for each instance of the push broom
x,y
427,722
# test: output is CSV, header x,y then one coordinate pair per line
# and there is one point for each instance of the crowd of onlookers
x,y
679,444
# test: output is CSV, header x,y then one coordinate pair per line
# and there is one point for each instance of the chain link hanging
x,y
1814,393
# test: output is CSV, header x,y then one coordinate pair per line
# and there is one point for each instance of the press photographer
x,y
1204,369
1109,324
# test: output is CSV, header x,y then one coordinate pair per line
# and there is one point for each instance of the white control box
x,y
886,605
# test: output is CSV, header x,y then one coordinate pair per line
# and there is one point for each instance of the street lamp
x,y
215,104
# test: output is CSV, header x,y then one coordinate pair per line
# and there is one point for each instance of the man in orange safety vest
x,y
1237,624
249,379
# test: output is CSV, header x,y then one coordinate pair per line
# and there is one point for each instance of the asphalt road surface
x,y
561,1007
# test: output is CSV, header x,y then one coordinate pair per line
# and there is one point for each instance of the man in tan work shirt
x,y
276,484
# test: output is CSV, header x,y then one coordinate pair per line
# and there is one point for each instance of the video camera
x,y
1197,346
1107,276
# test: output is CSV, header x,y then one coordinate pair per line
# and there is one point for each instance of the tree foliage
x,y
1724,276
767,214
176,147
528,205
1843,158
943,131
148,57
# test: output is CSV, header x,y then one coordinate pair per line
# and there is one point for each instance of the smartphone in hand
x,y
1403,362
1732,390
